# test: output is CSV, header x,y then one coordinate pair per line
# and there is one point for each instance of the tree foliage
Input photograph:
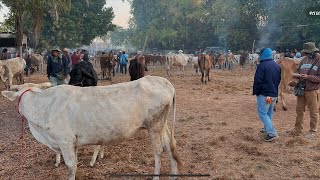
x,y
62,23
233,24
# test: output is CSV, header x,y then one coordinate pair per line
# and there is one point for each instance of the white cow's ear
x,y
46,85
10,95
14,88
35,89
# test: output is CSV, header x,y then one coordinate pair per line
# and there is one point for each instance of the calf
x,y
205,64
12,68
69,117
288,67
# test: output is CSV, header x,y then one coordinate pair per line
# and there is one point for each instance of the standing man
x,y
123,62
85,55
118,61
298,54
196,52
66,57
288,54
28,64
265,87
5,55
57,70
309,74
75,59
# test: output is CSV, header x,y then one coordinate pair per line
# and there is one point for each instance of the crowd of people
x,y
60,65
266,85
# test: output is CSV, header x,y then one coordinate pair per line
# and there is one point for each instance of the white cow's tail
x,y
173,142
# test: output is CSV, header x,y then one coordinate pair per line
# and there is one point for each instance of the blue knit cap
x,y
265,54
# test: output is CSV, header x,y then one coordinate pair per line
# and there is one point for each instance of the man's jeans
x,y
265,112
55,81
123,68
117,67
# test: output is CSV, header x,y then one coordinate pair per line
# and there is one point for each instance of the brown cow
x,y
243,58
205,64
288,67
222,61
107,64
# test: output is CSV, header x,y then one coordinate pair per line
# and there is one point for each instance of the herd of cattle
x,y
138,64
97,125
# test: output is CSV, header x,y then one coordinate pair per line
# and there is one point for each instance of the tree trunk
x,y
19,32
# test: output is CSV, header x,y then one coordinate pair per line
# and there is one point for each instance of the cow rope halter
x,y
21,135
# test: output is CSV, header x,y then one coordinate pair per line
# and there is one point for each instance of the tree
x,y
64,23
233,24
78,26
36,9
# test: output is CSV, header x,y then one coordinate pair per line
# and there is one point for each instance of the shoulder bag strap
x,y
314,63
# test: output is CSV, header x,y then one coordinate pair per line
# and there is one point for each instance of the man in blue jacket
x,y
265,87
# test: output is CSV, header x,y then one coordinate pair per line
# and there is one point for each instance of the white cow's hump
x,y
152,83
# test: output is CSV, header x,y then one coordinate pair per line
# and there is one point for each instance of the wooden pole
x,y
145,43
253,46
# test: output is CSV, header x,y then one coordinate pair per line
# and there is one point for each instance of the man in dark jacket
x,y
28,64
288,54
57,70
265,87
66,57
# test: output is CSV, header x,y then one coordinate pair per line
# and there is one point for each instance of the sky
x,y
121,11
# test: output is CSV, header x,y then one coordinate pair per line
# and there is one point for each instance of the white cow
x,y
180,60
237,59
276,57
12,68
68,117
47,85
254,59
194,63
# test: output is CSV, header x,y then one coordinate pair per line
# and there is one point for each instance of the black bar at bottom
x,y
160,175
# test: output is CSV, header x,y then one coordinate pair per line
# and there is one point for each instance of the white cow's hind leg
x,y
157,151
170,147
95,154
101,152
57,159
69,156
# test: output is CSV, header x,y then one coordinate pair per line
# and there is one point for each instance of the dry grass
x,y
217,132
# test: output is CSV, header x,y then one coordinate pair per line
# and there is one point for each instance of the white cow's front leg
x,y
69,156
57,159
95,154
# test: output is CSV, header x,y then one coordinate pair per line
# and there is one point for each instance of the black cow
x,y
137,68
83,75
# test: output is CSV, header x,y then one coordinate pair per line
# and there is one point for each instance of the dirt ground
x,y
217,131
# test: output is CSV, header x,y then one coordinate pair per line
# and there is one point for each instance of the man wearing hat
x,y
288,54
309,73
57,69
66,57
265,87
